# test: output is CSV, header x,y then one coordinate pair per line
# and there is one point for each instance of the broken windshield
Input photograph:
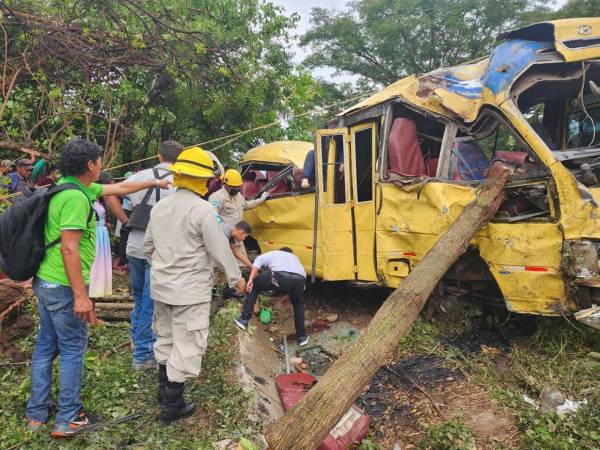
x,y
561,101
584,128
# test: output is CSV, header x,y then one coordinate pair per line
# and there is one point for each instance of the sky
x,y
303,8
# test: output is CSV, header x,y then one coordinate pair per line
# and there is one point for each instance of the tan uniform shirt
x,y
182,237
231,209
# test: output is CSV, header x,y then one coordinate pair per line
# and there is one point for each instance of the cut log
x,y
305,426
114,306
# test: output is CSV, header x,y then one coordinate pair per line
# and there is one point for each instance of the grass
x,y
448,435
111,389
557,354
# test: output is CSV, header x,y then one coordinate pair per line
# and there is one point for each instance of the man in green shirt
x,y
60,285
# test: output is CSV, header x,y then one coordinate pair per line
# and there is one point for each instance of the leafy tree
x,y
131,73
579,8
384,40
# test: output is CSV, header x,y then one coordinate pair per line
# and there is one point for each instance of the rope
x,y
228,138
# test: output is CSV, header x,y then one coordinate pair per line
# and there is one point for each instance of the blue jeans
x,y
61,334
142,336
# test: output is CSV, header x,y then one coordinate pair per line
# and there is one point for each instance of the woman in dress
x,y
101,271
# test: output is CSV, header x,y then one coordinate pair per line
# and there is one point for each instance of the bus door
x,y
363,151
335,205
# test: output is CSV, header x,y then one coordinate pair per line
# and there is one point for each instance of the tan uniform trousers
x,y
181,338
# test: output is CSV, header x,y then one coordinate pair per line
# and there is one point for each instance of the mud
x,y
15,322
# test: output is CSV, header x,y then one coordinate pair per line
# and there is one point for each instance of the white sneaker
x,y
303,340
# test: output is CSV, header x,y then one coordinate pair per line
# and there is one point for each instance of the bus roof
x,y
279,152
463,89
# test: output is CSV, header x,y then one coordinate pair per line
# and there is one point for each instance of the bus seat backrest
x,y
432,166
517,159
404,152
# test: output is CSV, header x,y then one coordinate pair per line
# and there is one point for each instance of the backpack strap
x,y
65,187
159,177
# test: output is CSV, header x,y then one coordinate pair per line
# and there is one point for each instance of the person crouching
x,y
181,239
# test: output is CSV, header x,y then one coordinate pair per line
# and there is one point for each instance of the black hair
x,y
106,178
286,249
170,150
75,155
243,226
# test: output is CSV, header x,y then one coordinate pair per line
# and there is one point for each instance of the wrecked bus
x,y
395,170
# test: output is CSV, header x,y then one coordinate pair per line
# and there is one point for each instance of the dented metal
x,y
540,251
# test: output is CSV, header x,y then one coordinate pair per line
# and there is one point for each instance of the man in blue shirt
x,y
20,181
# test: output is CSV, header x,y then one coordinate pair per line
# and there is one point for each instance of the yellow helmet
x,y
232,178
194,162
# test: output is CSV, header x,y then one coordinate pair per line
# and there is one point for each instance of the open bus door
x,y
363,151
335,205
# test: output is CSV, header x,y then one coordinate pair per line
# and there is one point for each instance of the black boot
x,y
174,406
162,381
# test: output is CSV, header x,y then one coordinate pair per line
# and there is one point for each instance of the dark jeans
x,y
284,283
142,336
64,335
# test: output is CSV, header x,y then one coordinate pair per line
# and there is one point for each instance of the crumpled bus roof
x,y
279,152
462,90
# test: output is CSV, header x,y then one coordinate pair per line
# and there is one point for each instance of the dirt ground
x,y
15,321
413,390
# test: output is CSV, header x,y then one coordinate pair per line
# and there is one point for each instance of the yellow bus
x,y
395,170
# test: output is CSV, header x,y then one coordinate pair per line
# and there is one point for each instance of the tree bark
x,y
308,423
11,145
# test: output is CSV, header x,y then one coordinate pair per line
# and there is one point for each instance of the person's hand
x,y
164,183
249,286
240,286
304,184
264,196
84,309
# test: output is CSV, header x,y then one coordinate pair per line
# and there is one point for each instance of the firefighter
x,y
230,203
181,239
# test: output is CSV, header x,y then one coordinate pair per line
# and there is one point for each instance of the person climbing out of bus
x,y
182,240
230,203
285,275
308,170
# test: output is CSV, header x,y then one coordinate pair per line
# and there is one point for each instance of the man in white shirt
x,y
285,275
142,336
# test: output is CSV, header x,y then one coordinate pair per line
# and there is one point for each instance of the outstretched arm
x,y
129,187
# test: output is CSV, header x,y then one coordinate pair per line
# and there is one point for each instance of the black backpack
x,y
140,215
22,244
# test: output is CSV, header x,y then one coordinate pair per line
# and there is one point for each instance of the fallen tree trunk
x,y
114,306
308,423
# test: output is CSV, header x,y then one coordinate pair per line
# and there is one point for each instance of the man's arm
x,y
239,254
249,204
83,306
251,277
116,208
218,248
129,187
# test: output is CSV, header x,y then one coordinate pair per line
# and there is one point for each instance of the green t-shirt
x,y
69,210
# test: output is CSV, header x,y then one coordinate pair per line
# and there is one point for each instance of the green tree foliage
x,y
579,8
131,73
384,40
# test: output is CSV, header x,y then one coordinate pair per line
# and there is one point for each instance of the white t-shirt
x,y
280,261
